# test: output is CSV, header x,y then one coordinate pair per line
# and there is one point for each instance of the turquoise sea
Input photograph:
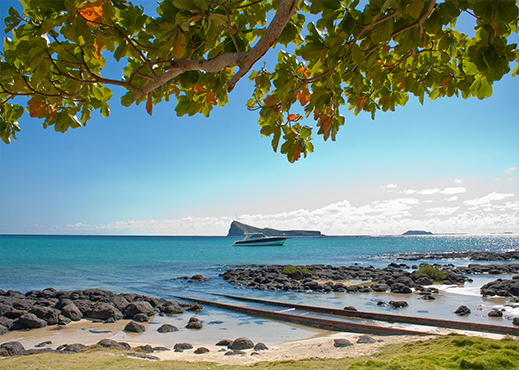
x,y
151,265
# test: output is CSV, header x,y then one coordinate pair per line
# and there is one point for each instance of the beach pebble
x,y
110,343
234,353
134,327
495,313
366,339
167,328
180,347
201,350
340,343
260,346
224,342
462,311
398,304
241,343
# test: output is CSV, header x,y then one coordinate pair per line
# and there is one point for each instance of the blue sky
x,y
449,165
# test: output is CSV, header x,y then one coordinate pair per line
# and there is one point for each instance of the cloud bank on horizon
x,y
452,209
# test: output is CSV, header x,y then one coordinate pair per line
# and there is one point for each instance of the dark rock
x,y
398,304
224,342
119,302
366,339
194,325
379,287
3,352
13,348
462,311
71,348
197,279
195,308
260,346
234,353
350,308
180,347
43,344
171,308
400,288
296,275
72,312
424,280
138,307
201,350
3,330
30,320
340,343
140,317
48,314
147,348
36,351
144,356
103,311
110,343
4,308
495,313
241,343
515,321
134,327
160,349
167,328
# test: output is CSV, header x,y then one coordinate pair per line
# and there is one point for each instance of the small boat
x,y
258,239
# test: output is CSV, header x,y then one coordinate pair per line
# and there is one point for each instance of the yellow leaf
x,y
179,48
293,117
98,46
175,90
92,12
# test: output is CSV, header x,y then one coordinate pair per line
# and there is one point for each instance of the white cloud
x,y
390,186
428,191
442,211
487,199
449,191
510,170
452,199
458,181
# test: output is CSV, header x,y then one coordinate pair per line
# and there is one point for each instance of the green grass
x,y
447,352
290,269
433,272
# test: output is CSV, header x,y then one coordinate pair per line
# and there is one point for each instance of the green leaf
x,y
415,8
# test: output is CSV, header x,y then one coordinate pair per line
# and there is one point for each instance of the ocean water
x,y
152,266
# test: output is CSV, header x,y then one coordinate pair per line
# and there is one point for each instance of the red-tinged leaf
x,y
360,102
199,88
301,70
386,48
36,107
325,125
92,12
303,96
297,151
378,63
271,100
52,112
292,117
446,81
175,90
317,114
211,98
149,104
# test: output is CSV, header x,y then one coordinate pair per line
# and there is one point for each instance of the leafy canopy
x,y
366,57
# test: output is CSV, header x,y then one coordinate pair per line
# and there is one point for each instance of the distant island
x,y
239,229
417,232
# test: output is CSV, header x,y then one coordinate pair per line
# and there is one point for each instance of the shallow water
x,y
151,266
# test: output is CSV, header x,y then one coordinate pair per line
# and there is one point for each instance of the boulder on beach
x,y
341,343
462,311
181,347
241,343
138,307
102,311
167,328
134,327
110,343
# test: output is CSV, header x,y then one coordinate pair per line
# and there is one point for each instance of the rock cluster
x,y
474,256
37,309
502,288
323,279
490,269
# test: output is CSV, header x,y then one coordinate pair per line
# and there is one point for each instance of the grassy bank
x,y
447,352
